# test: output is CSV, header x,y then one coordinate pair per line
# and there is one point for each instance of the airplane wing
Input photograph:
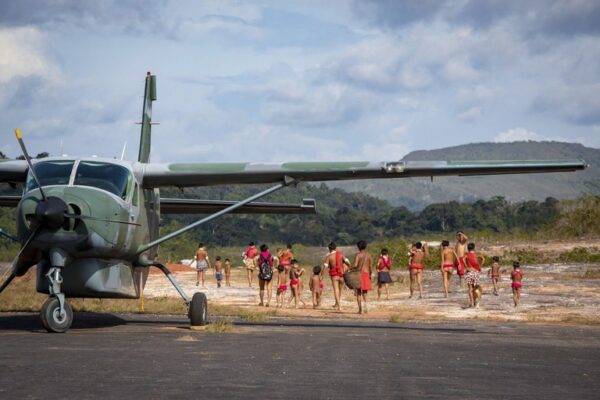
x,y
194,206
13,170
206,174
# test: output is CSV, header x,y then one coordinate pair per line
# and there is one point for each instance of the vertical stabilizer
x,y
145,135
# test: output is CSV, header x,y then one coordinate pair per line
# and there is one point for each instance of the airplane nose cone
x,y
51,212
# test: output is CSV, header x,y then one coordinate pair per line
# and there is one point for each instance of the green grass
x,y
250,316
580,254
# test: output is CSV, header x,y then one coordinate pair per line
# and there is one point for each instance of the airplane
x,y
91,225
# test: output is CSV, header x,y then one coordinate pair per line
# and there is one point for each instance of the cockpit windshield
x,y
110,177
50,173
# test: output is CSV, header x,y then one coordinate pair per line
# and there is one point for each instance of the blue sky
x,y
297,80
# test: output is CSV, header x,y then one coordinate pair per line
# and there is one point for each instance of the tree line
x,y
348,217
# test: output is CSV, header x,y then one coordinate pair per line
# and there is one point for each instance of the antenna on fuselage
x,y
123,152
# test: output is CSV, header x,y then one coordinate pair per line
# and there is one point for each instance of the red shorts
x,y
516,285
294,282
416,266
281,288
321,285
448,266
335,272
365,281
495,276
460,266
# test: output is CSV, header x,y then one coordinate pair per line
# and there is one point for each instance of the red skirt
x,y
365,281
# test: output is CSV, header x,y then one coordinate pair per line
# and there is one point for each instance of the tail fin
x,y
145,135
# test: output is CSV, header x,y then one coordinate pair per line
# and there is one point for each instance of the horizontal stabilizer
x,y
193,206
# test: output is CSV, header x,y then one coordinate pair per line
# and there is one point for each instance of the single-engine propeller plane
x,y
91,225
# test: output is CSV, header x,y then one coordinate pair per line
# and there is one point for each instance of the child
x,y
218,273
383,274
227,272
295,275
494,271
249,260
516,276
447,260
316,286
474,262
281,285
418,254
363,263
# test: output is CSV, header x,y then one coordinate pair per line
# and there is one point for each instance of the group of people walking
x,y
468,265
281,267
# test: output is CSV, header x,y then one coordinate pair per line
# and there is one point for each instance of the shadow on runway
x,y
32,322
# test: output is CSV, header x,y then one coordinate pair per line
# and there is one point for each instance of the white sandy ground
x,y
551,293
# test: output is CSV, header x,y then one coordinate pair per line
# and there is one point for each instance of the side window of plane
x,y
110,177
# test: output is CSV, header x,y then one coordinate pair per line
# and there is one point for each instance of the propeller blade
x,y
28,159
15,260
79,216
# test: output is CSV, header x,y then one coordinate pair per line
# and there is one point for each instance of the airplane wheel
x,y
50,315
198,310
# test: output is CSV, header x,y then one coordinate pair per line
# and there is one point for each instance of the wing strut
x,y
287,181
173,281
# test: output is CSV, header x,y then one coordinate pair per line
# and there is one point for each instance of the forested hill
x,y
416,193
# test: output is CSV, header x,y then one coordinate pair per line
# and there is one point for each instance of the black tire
x,y
50,315
198,312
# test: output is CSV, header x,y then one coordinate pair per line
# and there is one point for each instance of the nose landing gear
x,y
56,313
53,318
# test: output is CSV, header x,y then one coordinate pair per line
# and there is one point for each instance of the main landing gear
x,y
198,310
197,307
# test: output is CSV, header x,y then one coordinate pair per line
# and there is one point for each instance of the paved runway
x,y
147,357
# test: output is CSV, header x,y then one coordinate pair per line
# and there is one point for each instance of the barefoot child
x,y
447,260
218,271
516,276
384,264
415,268
295,275
282,287
227,268
474,262
494,272
316,286
249,257
363,262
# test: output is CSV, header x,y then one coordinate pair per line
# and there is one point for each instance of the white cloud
x,y
22,55
302,103
522,134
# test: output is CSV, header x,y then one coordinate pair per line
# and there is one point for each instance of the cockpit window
x,y
110,177
50,173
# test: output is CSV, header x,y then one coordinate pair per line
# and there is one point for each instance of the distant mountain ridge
x,y
416,193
